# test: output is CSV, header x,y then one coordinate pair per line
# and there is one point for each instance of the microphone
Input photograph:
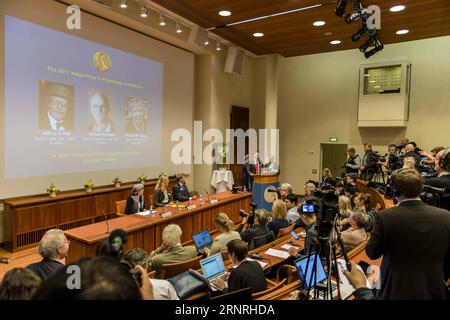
x,y
106,220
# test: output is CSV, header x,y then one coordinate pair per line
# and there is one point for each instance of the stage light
x,y
123,4
355,16
340,10
377,48
359,34
369,43
162,21
178,27
143,12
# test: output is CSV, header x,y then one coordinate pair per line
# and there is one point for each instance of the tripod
x,y
324,248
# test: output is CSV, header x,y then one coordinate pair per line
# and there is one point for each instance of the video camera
x,y
251,215
437,197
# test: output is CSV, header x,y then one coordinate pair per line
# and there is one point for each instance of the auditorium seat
x,y
120,207
172,269
288,272
272,287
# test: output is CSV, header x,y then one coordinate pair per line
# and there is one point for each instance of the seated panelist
x,y
161,195
180,190
135,202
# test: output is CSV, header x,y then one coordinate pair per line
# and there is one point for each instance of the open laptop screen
x,y
320,275
202,239
212,266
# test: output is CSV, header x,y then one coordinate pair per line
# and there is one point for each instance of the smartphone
x,y
293,234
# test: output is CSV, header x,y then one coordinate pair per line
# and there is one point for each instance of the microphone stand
x,y
106,220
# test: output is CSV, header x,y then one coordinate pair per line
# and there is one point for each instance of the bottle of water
x,y
245,188
176,204
200,199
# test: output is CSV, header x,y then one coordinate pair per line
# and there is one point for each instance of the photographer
x,y
410,152
353,162
394,160
256,234
369,164
413,239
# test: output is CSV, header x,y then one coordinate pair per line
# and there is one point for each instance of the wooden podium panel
x,y
26,219
146,231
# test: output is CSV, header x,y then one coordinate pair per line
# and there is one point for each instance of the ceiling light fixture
x,y
162,21
143,12
334,42
397,8
258,34
319,23
218,47
123,4
225,13
404,31
178,27
206,42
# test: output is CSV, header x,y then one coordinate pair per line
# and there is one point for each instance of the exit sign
x,y
333,139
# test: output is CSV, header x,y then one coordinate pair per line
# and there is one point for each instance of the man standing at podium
x,y
255,167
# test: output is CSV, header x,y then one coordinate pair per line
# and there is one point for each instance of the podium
x,y
260,184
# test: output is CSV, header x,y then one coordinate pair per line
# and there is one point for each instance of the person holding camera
x,y
353,162
413,239
256,234
369,163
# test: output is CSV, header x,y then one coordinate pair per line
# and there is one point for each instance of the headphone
x,y
444,162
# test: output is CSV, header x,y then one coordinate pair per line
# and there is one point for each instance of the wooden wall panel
x,y
73,210
32,218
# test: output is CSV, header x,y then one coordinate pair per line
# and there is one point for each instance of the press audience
x,y
171,250
19,284
257,234
279,217
225,227
53,248
291,201
245,273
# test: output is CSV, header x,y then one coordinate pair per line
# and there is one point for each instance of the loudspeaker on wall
x,y
235,60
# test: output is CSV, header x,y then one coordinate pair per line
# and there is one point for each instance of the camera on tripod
x,y
251,215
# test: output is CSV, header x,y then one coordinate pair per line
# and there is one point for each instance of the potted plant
x,y
88,185
117,182
142,178
52,189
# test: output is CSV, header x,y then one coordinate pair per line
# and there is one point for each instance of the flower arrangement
x,y
142,177
117,182
221,155
89,185
52,189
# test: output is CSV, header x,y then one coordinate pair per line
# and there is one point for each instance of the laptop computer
x,y
202,239
212,268
319,277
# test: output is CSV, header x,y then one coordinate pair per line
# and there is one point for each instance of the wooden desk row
x,y
26,219
146,231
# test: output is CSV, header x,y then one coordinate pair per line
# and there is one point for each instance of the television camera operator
x,y
369,165
394,160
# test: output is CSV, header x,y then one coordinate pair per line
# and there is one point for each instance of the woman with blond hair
x,y
327,177
279,217
161,195
345,206
225,227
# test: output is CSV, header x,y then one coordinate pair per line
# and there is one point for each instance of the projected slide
x,y
72,105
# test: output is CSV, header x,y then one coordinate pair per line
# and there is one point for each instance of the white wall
x,y
318,99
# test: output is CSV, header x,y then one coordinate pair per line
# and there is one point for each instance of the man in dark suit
x,y
255,167
413,239
53,247
369,163
180,190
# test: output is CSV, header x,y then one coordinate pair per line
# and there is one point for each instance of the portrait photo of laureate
x,y
55,106
100,110
136,114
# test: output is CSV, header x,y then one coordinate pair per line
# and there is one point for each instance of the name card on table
x,y
192,206
166,214
214,201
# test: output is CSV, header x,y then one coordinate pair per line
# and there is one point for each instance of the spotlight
x,y
143,12
355,16
359,34
162,22
369,43
206,42
340,10
379,46
218,47
178,27
123,4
